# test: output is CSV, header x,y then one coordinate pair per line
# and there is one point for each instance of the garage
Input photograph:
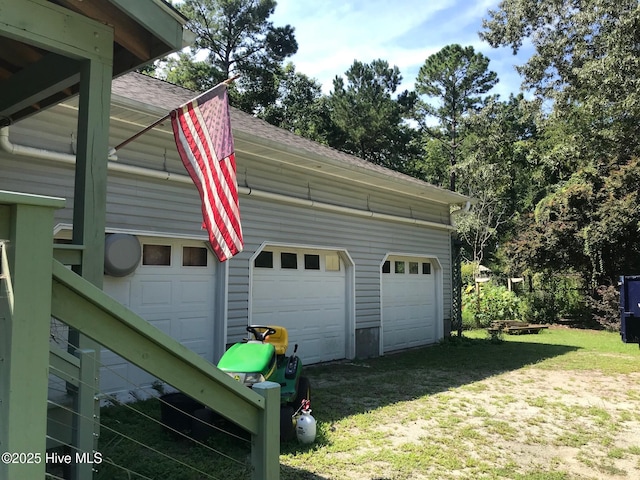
x,y
173,289
306,291
409,303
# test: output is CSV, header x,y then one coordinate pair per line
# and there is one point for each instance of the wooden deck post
x,y
87,420
88,230
26,228
265,446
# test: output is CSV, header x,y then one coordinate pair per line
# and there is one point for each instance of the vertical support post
x,y
265,446
90,197
24,330
85,405
89,218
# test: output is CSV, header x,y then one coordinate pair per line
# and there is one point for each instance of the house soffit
x,y
43,42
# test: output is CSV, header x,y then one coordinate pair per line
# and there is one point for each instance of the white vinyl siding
x,y
367,240
167,208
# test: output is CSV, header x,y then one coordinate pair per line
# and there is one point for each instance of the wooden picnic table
x,y
515,327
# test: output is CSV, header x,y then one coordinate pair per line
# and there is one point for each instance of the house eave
x,y
371,175
279,147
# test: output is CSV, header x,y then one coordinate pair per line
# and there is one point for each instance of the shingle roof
x,y
160,94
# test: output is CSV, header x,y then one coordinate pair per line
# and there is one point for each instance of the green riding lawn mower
x,y
263,357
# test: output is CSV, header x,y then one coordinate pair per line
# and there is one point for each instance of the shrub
x,y
468,272
554,297
605,307
468,318
493,303
536,307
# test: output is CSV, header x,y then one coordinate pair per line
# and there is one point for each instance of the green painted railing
x,y
36,287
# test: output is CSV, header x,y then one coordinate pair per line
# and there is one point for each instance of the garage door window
x,y
194,257
288,260
401,267
264,260
332,263
311,262
159,255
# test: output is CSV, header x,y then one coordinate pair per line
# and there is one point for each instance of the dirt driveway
x,y
513,411
584,424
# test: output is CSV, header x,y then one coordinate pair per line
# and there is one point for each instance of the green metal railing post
x,y
26,225
265,446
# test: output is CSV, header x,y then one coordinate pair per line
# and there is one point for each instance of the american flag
x,y
202,130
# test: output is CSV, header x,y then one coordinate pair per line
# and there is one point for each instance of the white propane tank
x,y
306,426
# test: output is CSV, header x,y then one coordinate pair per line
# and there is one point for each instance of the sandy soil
x,y
583,425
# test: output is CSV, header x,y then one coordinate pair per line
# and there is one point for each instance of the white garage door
x,y
304,291
173,289
408,303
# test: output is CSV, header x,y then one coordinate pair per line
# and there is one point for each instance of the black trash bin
x,y
176,411
630,308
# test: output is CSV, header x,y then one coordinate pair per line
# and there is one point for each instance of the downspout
x,y
114,166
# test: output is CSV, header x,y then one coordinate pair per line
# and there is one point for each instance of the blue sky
x,y
333,33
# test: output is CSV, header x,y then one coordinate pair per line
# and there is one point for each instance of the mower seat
x,y
280,339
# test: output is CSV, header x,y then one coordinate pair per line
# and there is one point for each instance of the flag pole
x,y
227,82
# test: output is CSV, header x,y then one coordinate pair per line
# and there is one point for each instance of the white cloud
x,y
331,37
332,34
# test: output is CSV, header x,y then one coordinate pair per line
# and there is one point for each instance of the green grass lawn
x,y
591,349
562,404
